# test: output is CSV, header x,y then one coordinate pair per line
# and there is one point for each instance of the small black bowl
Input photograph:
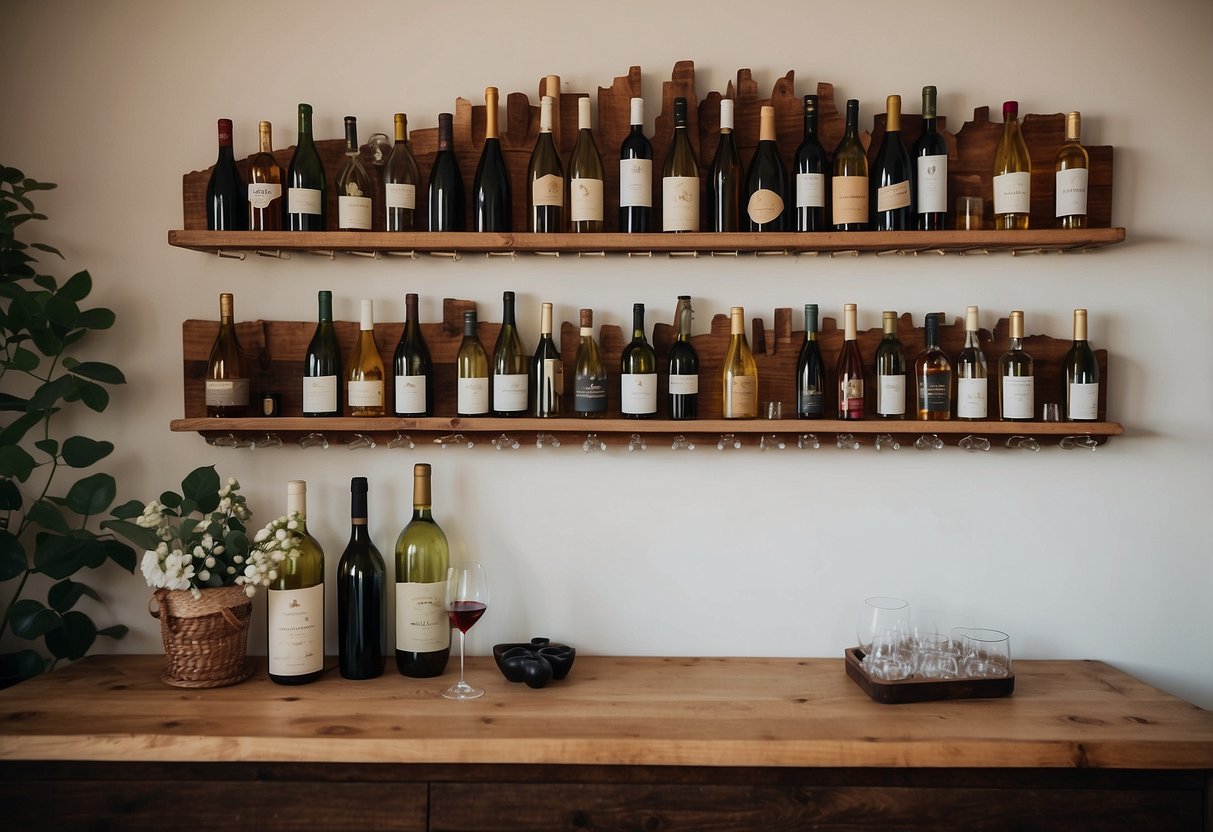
x,y
534,662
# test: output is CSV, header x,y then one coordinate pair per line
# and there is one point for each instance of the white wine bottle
x,y
1017,383
638,372
545,178
364,370
766,182
680,178
890,371
353,185
322,364
510,365
1070,177
266,206
227,382
585,176
472,392
400,181
739,375
1082,375
850,180
547,371
1012,174
423,632
971,373
295,602
589,375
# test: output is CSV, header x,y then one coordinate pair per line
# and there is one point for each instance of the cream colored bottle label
x,y
261,194
226,392
400,195
354,212
548,190
891,395
296,630
303,200
638,393
1071,190
744,390
932,184
422,625
892,197
585,198
472,396
1084,401
320,394
764,206
850,199
510,392
810,190
680,203
635,183
410,394
1017,397
1013,193
364,393
684,385
971,398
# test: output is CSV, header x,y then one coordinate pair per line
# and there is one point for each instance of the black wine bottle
x,y
811,174
636,176
226,193
810,371
766,181
322,368
931,169
306,205
492,204
361,605
547,371
891,185
683,400
445,192
412,368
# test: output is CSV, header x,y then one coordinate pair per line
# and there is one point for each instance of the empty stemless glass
x,y
891,658
936,657
879,614
984,654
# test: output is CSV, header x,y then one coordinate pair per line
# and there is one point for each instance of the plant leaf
x,y
145,539
98,371
49,394
30,619
202,487
47,515
10,402
64,595
99,318
117,631
81,452
74,638
129,509
121,554
15,432
16,462
91,495
77,287
170,499
19,666
50,249
10,496
62,310
13,561
24,360
50,447
94,396
58,556
44,339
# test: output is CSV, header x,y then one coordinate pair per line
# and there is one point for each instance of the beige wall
x,y
1104,555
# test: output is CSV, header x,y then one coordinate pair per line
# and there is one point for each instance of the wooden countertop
x,y
610,711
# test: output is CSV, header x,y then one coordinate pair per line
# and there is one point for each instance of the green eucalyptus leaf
x,y
46,281
171,499
58,556
91,495
12,556
115,632
128,510
30,619
24,360
49,249
11,176
10,496
15,432
10,402
77,287
120,554
45,339
34,185
46,514
64,595
92,550
99,318
49,394
16,462
94,396
98,371
74,638
50,447
202,487
81,452
145,539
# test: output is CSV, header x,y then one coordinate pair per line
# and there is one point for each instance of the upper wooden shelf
x,y
237,243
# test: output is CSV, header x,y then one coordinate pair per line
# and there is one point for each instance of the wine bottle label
x,y
638,393
851,395
354,212
936,393
400,195
296,630
410,394
548,190
320,394
585,198
891,395
764,206
1071,190
687,385
932,184
971,398
744,394
892,197
680,203
635,183
1083,401
510,392
812,401
589,394
551,384
422,625
810,190
226,392
261,194
473,396
1013,193
850,199
1017,397
364,393
304,200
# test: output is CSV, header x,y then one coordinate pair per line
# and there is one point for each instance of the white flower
x,y
250,571
280,534
204,576
209,563
262,535
250,590
219,550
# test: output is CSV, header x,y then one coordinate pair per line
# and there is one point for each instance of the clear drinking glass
x,y
467,598
880,614
984,654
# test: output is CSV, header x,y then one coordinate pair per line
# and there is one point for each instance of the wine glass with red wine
x,y
467,597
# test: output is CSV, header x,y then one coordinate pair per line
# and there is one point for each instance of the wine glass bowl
x,y
880,614
467,599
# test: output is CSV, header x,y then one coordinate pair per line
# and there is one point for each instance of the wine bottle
x,y
971,373
353,185
322,365
849,183
739,375
1070,177
545,178
636,176
295,600
361,604
585,176
724,181
423,632
766,182
265,203
472,395
891,186
1012,174
1017,384
400,180
226,196
547,371
412,367
683,401
890,371
638,372
680,178
933,375
1082,375
589,375
227,381
306,206
931,169
492,202
810,174
850,362
445,191
364,376
510,366
810,370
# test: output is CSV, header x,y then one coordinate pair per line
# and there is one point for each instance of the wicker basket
x,y
205,639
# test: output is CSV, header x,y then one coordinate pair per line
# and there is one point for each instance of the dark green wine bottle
x,y
322,366
361,605
306,197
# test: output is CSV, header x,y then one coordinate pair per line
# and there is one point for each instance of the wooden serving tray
x,y
923,690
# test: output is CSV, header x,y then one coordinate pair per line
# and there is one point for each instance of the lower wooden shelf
x,y
443,430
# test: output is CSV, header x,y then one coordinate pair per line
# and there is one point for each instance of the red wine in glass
x,y
464,614
467,598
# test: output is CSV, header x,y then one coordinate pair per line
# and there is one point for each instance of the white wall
x,y
1101,555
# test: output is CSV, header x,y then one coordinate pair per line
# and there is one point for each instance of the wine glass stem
x,y
461,682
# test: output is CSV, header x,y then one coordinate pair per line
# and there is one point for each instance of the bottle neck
x,y
766,125
351,137
490,114
305,125
1015,344
265,140
445,142
410,309
507,312
685,314
850,325
545,115
893,115
469,328
971,339
638,322
852,128
401,125
545,322
810,124
326,308
932,336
